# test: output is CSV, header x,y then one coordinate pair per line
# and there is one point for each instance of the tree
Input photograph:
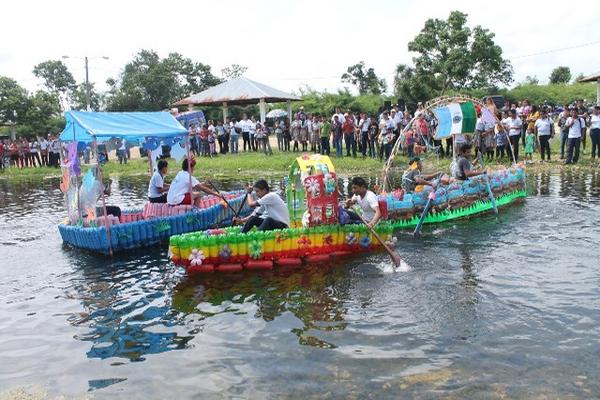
x,y
79,98
57,79
531,80
14,101
453,56
233,71
560,75
364,79
42,111
412,88
149,83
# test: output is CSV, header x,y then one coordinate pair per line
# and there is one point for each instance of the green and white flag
x,y
455,118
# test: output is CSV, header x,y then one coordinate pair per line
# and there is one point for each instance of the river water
x,y
491,308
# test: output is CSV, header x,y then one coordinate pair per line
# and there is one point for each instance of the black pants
x,y
563,143
45,158
573,150
263,224
500,150
515,146
544,146
113,210
159,199
364,143
246,139
350,144
325,149
595,135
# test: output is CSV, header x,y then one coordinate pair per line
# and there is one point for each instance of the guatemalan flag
x,y
455,118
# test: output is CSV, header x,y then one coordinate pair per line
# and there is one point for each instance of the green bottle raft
x,y
228,250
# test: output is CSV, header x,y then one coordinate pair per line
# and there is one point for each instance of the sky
x,y
285,44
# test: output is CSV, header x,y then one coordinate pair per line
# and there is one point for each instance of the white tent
x,y
240,91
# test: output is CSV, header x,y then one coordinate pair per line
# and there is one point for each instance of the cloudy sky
x,y
285,44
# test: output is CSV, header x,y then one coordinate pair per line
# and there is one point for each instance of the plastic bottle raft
x,y
153,223
228,250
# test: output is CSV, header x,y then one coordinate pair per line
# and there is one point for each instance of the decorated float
x,y
316,234
86,228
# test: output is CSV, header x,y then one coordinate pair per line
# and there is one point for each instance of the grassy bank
x,y
253,165
248,165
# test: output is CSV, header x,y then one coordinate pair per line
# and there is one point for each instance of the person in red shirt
x,y
348,131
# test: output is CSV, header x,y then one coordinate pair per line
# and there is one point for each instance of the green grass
x,y
247,165
254,165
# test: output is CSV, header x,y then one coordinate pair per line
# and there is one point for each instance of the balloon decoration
x,y
151,144
178,152
74,165
154,155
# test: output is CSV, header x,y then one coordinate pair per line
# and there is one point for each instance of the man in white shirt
x,y
543,130
245,127
122,152
270,211
44,151
595,131
575,125
366,203
179,192
514,133
157,188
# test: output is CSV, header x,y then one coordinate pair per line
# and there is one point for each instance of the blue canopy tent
x,y
85,126
99,127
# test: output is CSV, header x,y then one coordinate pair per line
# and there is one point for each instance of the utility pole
x,y
87,86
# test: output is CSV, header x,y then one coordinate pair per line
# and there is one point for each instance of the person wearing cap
x,y
412,176
179,192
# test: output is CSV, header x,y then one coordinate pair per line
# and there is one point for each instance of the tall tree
x,y
233,71
14,101
452,56
41,114
560,75
365,79
57,79
149,83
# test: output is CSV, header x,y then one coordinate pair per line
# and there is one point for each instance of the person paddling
x,y
413,177
463,169
270,211
366,200
179,191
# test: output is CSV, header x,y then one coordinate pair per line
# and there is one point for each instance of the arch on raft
x,y
428,106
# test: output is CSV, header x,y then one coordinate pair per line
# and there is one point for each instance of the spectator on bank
x,y
544,130
595,131
575,125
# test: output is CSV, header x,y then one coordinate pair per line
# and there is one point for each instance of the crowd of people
x,y
24,153
516,129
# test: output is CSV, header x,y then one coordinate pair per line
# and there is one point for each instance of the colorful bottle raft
x,y
228,250
150,225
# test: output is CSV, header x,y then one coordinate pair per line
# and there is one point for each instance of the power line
x,y
556,50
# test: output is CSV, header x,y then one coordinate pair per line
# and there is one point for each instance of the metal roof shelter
x,y
593,78
240,91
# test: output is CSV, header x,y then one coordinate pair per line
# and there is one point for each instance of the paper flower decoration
x,y
328,240
280,237
225,252
365,241
351,238
304,241
197,257
255,248
312,185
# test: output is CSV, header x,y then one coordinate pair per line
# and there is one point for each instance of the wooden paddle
x,y
393,255
487,184
430,199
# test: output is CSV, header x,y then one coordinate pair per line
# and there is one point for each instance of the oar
x,y
222,197
487,184
393,255
430,199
